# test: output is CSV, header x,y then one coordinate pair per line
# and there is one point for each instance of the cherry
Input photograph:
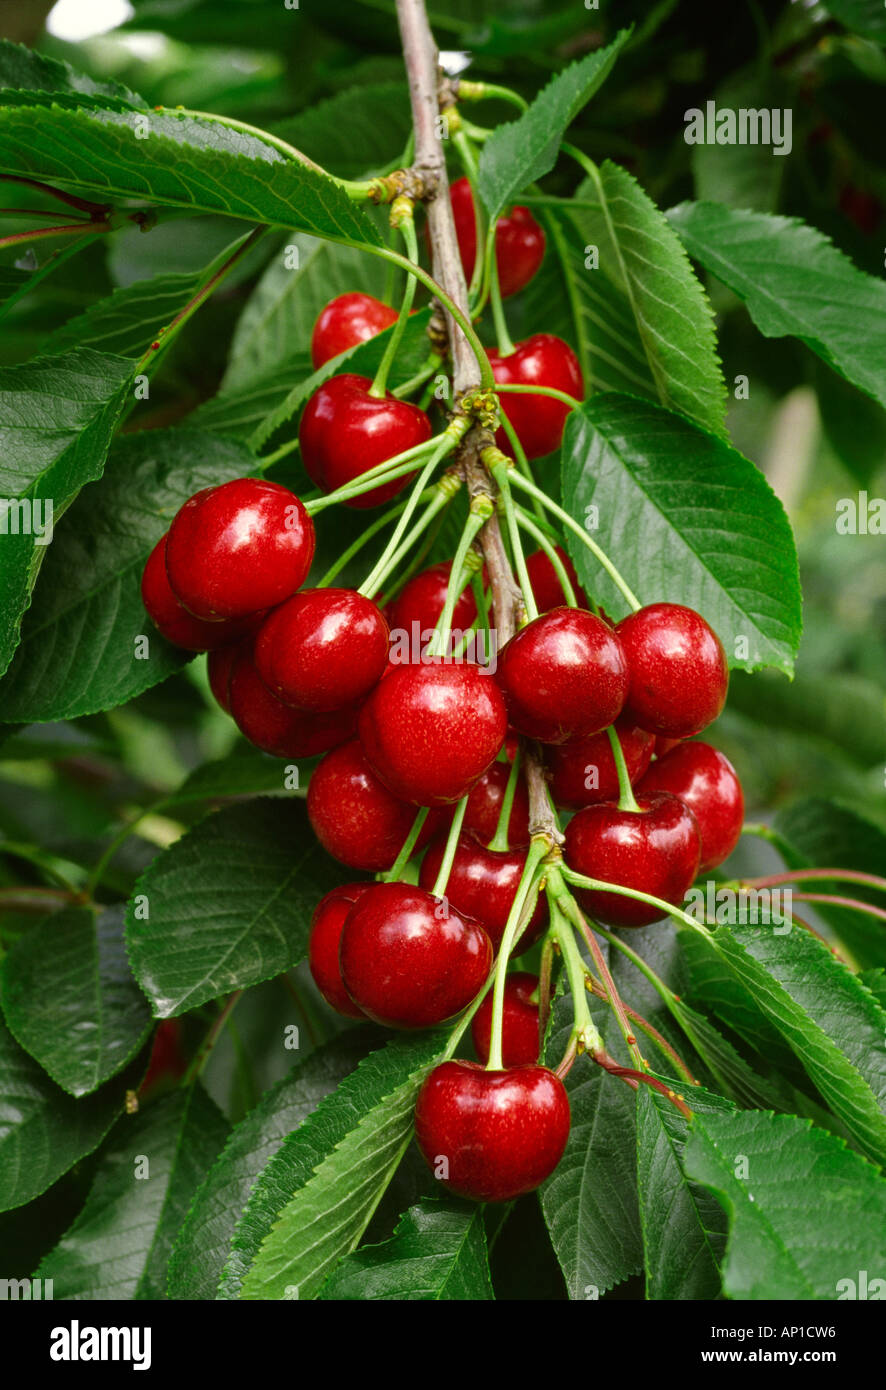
x,y
219,665
408,960
173,621
355,817
345,431
654,850
484,807
563,674
273,726
326,924
664,745
706,781
546,587
430,730
347,320
322,649
679,674
519,240
573,765
238,547
417,607
167,1061
542,360
519,1033
492,1135
483,884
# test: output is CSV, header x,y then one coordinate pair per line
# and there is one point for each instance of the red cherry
x,y
239,547
483,884
573,765
344,432
519,1032
430,730
355,817
219,665
664,745
678,671
542,360
492,1135
408,960
322,649
173,621
706,781
417,607
347,320
484,807
563,674
546,587
273,726
519,240
167,1061
654,850
326,924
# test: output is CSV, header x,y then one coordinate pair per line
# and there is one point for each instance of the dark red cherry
x,y
273,726
417,607
347,320
678,671
354,816
173,621
705,779
168,1061
492,1135
219,665
519,240
582,771
546,587
344,432
664,745
542,360
483,884
654,850
408,959
563,674
519,1032
326,924
430,730
322,649
485,802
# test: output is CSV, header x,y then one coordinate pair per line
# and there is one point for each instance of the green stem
x,y
585,1035
379,384
480,91
205,1051
468,159
596,885
626,799
376,476
497,464
537,390
431,364
500,838
378,525
537,851
76,229
439,888
405,854
481,509
559,568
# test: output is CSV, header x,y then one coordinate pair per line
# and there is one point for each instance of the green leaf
x,y
57,416
875,980
855,425
80,650
743,176
227,905
315,1197
732,1073
120,1244
438,1251
129,319
70,999
354,133
689,520
205,1237
245,772
175,160
842,707
524,150
684,1229
861,16
590,1202
23,69
784,1246
43,1131
795,283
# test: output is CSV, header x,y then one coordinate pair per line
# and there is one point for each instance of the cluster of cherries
x,y
308,671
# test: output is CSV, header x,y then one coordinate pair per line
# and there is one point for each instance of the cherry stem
x,y
651,1032
500,840
439,888
432,363
480,91
539,391
365,536
205,1050
466,154
585,1036
559,568
545,971
396,869
626,799
503,338
481,510
401,217
634,1079
522,462
500,466
377,476
97,211
42,233
832,900
835,875
537,851
667,909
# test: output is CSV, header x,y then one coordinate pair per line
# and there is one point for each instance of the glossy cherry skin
x,y
347,320
326,924
354,816
173,621
542,360
519,240
417,607
485,802
273,726
582,771
344,432
562,675
519,1031
238,547
492,1135
430,730
322,649
409,960
483,884
705,779
546,587
655,850
678,671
